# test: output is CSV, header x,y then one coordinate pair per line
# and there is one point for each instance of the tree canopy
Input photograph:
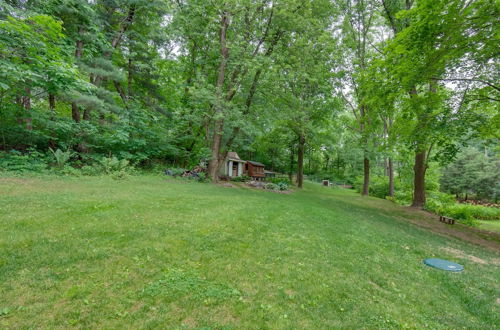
x,y
355,91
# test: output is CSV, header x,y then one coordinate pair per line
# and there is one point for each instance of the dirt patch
x,y
228,185
462,255
430,221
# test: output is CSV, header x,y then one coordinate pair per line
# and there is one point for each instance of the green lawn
x,y
491,225
150,253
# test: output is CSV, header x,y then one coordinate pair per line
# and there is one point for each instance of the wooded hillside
x,y
365,92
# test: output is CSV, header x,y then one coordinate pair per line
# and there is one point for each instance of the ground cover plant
x,y
154,251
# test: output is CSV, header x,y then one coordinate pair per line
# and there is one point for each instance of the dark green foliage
x,y
138,80
242,178
474,174
279,180
30,161
283,186
271,186
61,157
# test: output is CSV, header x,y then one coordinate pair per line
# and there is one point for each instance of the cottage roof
x,y
234,157
256,163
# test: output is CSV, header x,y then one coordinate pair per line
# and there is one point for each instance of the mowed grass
x,y
151,253
491,225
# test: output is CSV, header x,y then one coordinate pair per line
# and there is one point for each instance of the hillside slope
x,y
148,252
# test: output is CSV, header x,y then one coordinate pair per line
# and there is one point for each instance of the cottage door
x,y
235,169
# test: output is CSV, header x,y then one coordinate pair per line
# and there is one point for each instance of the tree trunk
x,y
213,165
52,102
421,155
129,78
300,161
391,177
292,158
27,107
86,114
52,107
366,176
419,180
309,161
75,112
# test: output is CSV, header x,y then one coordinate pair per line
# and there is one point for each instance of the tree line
x,y
340,88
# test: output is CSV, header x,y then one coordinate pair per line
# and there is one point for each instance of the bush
x,y
120,175
30,161
61,157
279,180
110,165
283,186
69,170
117,168
465,211
243,178
271,186
202,177
445,204
90,170
379,185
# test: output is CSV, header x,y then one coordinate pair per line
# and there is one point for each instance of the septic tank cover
x,y
444,265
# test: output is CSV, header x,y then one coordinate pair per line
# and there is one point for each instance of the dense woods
x,y
396,97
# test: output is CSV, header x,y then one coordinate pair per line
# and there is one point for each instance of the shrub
x,y
90,170
61,157
120,175
283,186
403,197
379,185
271,186
242,178
465,211
445,204
202,177
110,165
279,180
70,170
30,161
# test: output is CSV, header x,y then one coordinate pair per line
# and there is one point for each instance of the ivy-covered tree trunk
x,y
292,158
213,165
366,160
391,177
300,161
75,111
52,107
419,179
366,176
26,102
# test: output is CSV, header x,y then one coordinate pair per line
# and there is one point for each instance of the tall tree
x,y
436,36
358,27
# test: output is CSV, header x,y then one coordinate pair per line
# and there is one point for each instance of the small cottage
x,y
233,165
255,170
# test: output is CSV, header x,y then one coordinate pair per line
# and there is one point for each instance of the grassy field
x,y
491,225
150,253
